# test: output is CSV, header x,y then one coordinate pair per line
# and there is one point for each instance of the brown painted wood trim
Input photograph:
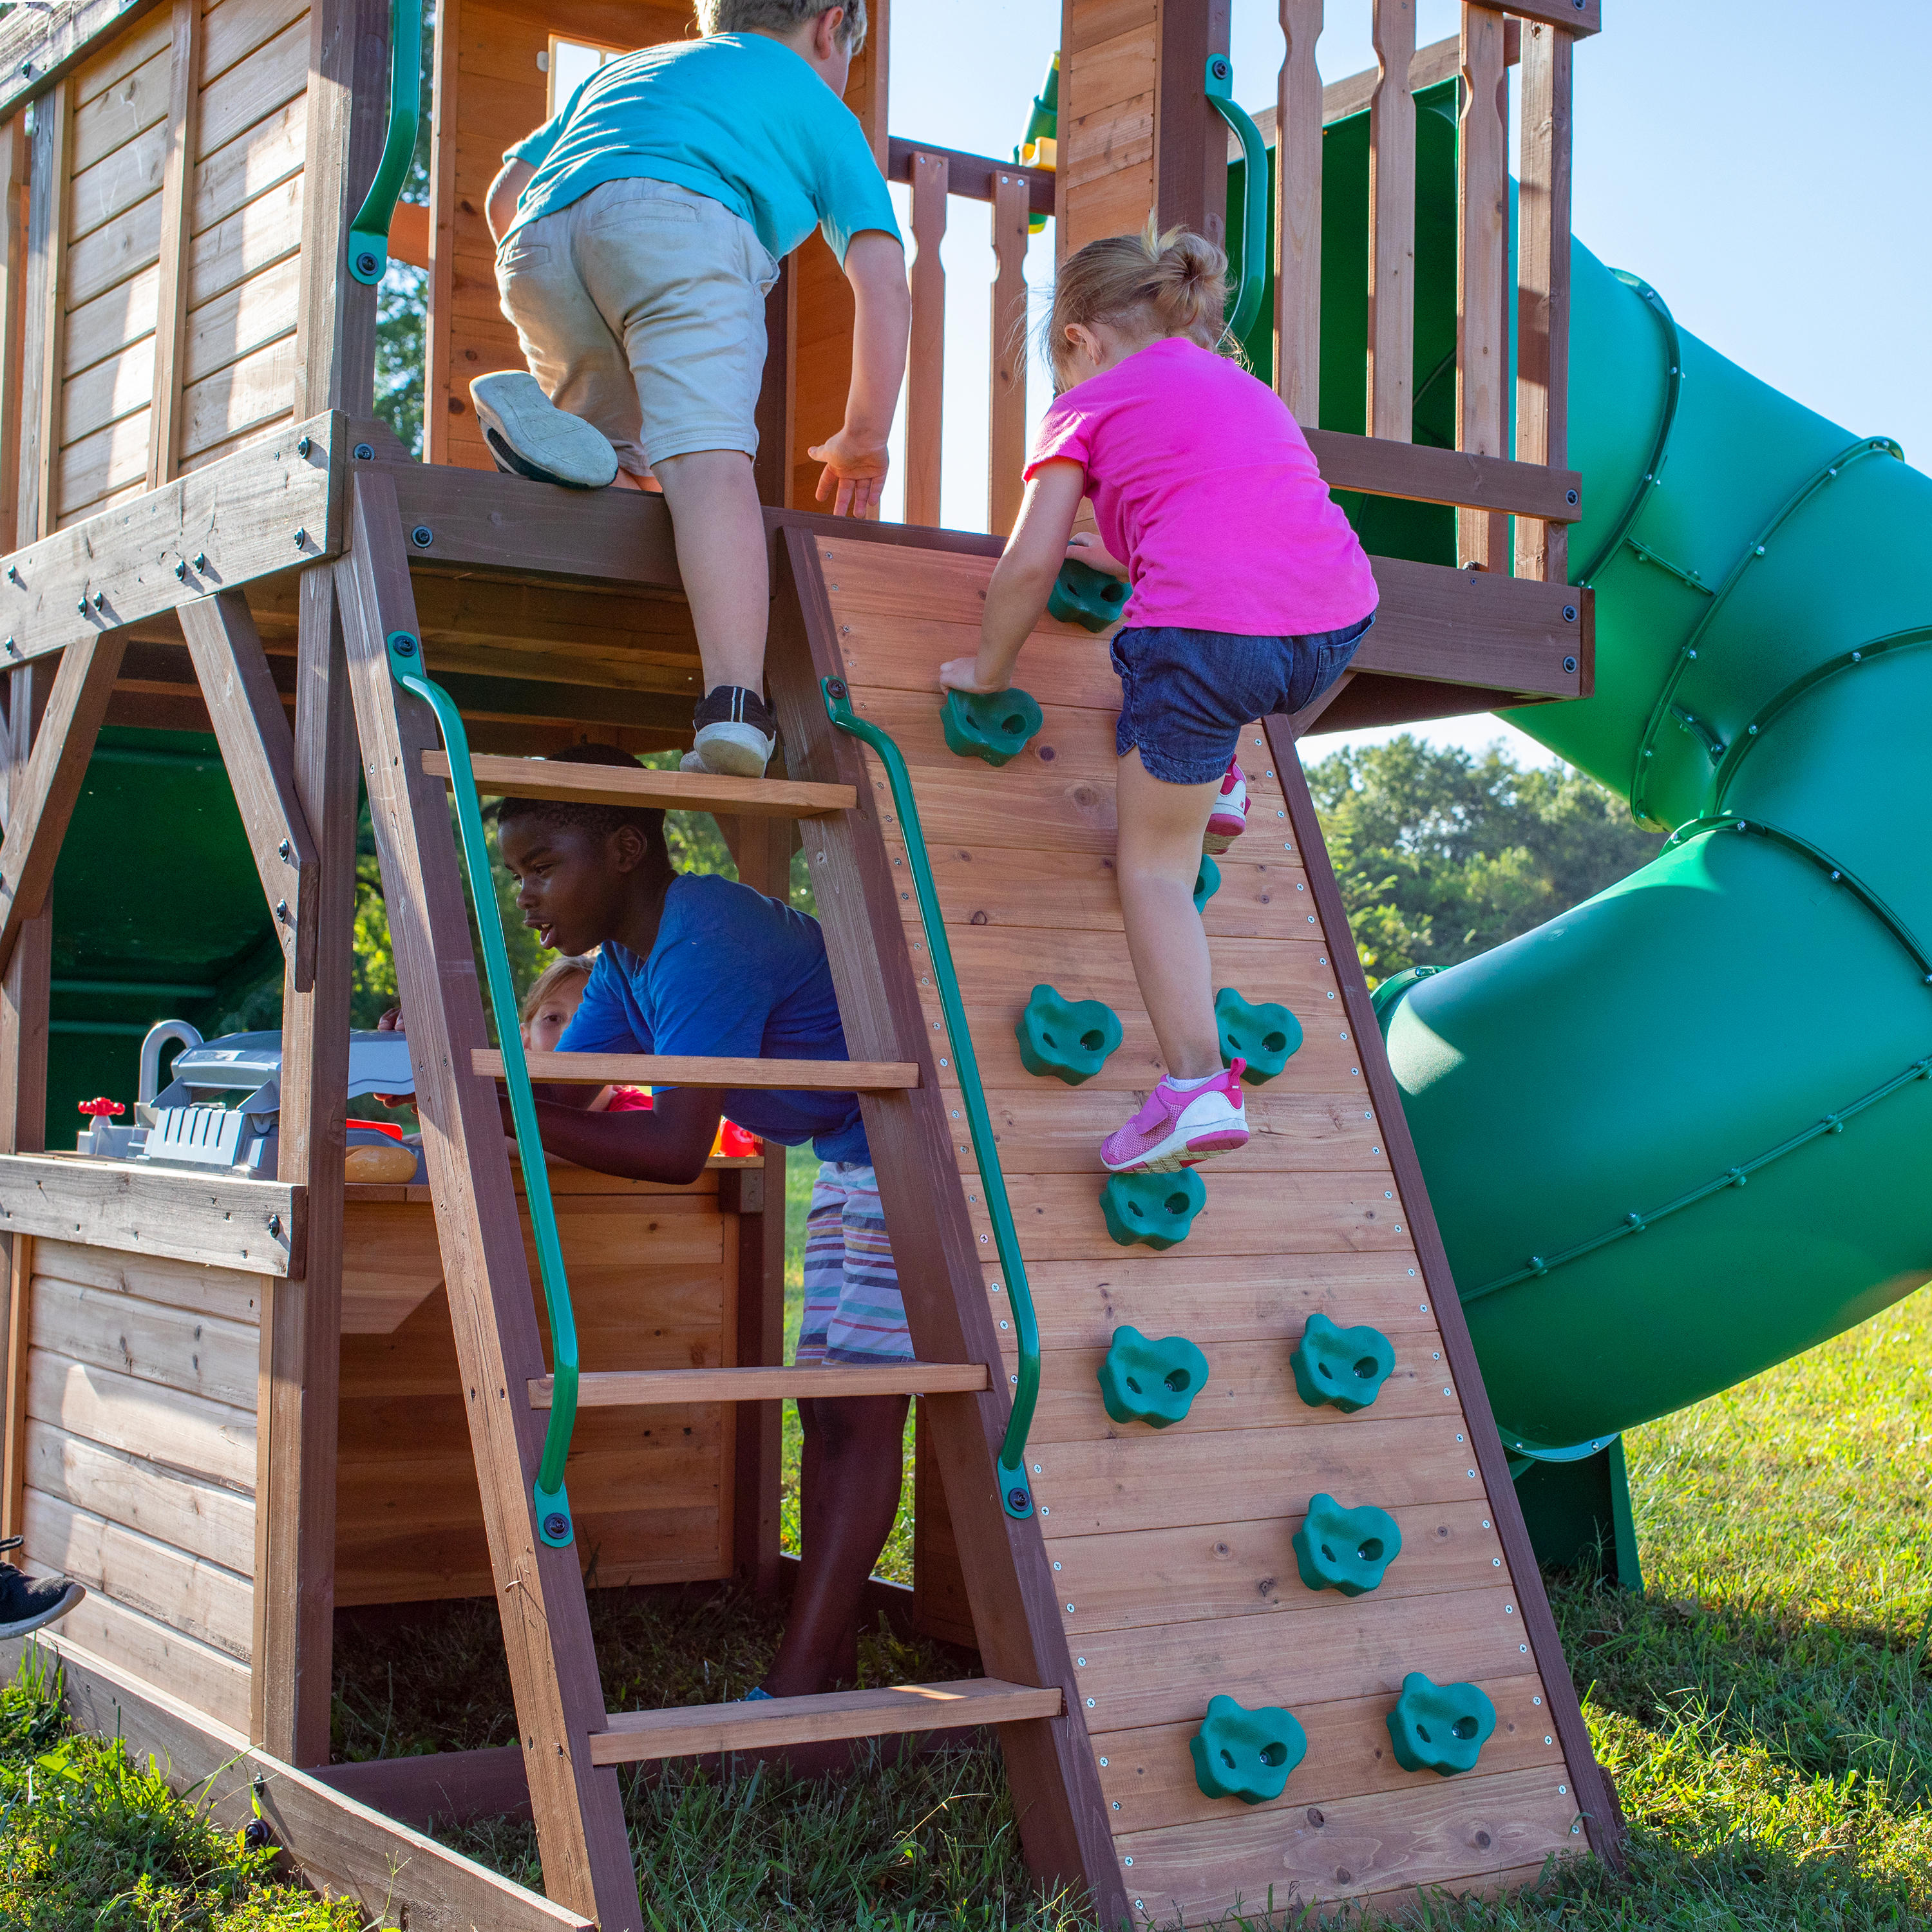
x,y
1016,1612
974,177
26,989
58,112
675,791
20,1338
328,1839
14,196
1426,475
258,749
1577,18
1602,1820
38,49
1190,145
439,386
43,209
257,1226
539,1590
177,187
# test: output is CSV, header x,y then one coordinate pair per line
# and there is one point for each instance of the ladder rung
x,y
636,1736
660,1069
676,791
642,1388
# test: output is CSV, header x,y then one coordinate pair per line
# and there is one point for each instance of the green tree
x,y
1442,856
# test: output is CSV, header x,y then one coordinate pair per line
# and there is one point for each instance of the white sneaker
x,y
529,435
732,739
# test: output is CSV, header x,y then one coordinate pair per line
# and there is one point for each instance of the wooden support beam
x,y
1190,157
396,1876
257,1226
657,1069
257,514
1543,272
1392,227
177,191
647,1388
675,791
1006,416
14,193
1577,18
19,1263
1475,628
1482,268
348,103
41,45
42,802
442,378
1426,475
925,367
301,1322
44,213
1061,1810
540,1595
246,710
637,1737
771,466
1298,252
52,151
25,988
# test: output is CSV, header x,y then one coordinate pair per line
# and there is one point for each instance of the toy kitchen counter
x,y
143,1264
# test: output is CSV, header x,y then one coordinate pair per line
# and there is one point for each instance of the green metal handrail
x,y
1015,1491
553,1523
1255,200
369,232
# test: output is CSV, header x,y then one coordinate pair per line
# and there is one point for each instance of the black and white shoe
x,y
28,1602
737,732
529,435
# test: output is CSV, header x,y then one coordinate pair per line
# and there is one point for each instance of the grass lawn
x,y
1766,1708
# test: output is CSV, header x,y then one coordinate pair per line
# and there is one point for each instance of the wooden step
x,y
660,1069
674,791
635,1737
640,1388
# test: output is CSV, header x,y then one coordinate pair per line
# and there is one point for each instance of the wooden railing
x,y
1017,194
1544,30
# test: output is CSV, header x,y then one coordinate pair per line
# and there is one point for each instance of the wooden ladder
x,y
571,1743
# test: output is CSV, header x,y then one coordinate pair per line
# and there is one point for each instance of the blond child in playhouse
x,y
638,233
1250,595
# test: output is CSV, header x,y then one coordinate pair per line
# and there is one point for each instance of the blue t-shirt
x,y
738,117
737,976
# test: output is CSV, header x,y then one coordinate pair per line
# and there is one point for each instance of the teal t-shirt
x,y
738,117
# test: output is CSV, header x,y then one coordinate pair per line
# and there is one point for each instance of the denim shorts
x,y
1185,694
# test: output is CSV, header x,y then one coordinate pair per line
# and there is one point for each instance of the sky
x,y
1765,169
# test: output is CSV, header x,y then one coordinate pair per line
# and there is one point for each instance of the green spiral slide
x,y
1685,1130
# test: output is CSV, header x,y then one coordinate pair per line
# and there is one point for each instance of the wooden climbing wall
x,y
1171,1552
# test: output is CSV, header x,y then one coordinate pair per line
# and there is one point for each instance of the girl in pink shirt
x,y
1250,595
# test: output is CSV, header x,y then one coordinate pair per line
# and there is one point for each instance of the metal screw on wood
x,y
285,848
1569,613
181,570
301,539
282,911
1569,664
274,1224
364,452
302,446
422,536
201,559
12,574
81,607
101,600
1570,495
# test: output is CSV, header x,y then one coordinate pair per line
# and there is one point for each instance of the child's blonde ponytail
x,y
1149,284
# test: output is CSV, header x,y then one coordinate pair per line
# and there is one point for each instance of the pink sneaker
x,y
1229,818
1178,1128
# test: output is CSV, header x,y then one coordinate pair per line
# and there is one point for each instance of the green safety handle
x,y
406,666
1254,219
369,232
1015,1491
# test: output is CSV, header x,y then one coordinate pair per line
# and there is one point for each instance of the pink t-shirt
x,y
1203,486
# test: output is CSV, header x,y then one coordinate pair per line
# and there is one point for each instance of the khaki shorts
x,y
640,307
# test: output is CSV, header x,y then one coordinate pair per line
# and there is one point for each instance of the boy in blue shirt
x,y
702,966
637,233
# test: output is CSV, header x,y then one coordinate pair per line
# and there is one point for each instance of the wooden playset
x,y
233,1403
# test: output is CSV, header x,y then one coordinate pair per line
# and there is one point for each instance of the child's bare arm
x,y
500,209
1023,579
855,459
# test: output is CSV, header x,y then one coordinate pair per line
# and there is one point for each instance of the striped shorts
x,y
854,1312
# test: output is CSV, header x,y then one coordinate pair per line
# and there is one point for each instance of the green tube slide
x,y
1683,1131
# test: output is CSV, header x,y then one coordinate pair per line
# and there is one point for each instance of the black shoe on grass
x,y
26,1602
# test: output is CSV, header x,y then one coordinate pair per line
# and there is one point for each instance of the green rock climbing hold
x,y
994,725
1145,1380
1338,1549
1082,595
1156,1210
1247,1754
1344,1367
1264,1036
1206,883
1065,1039
1439,1727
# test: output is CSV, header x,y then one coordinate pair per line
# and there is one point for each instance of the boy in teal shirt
x,y
637,234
